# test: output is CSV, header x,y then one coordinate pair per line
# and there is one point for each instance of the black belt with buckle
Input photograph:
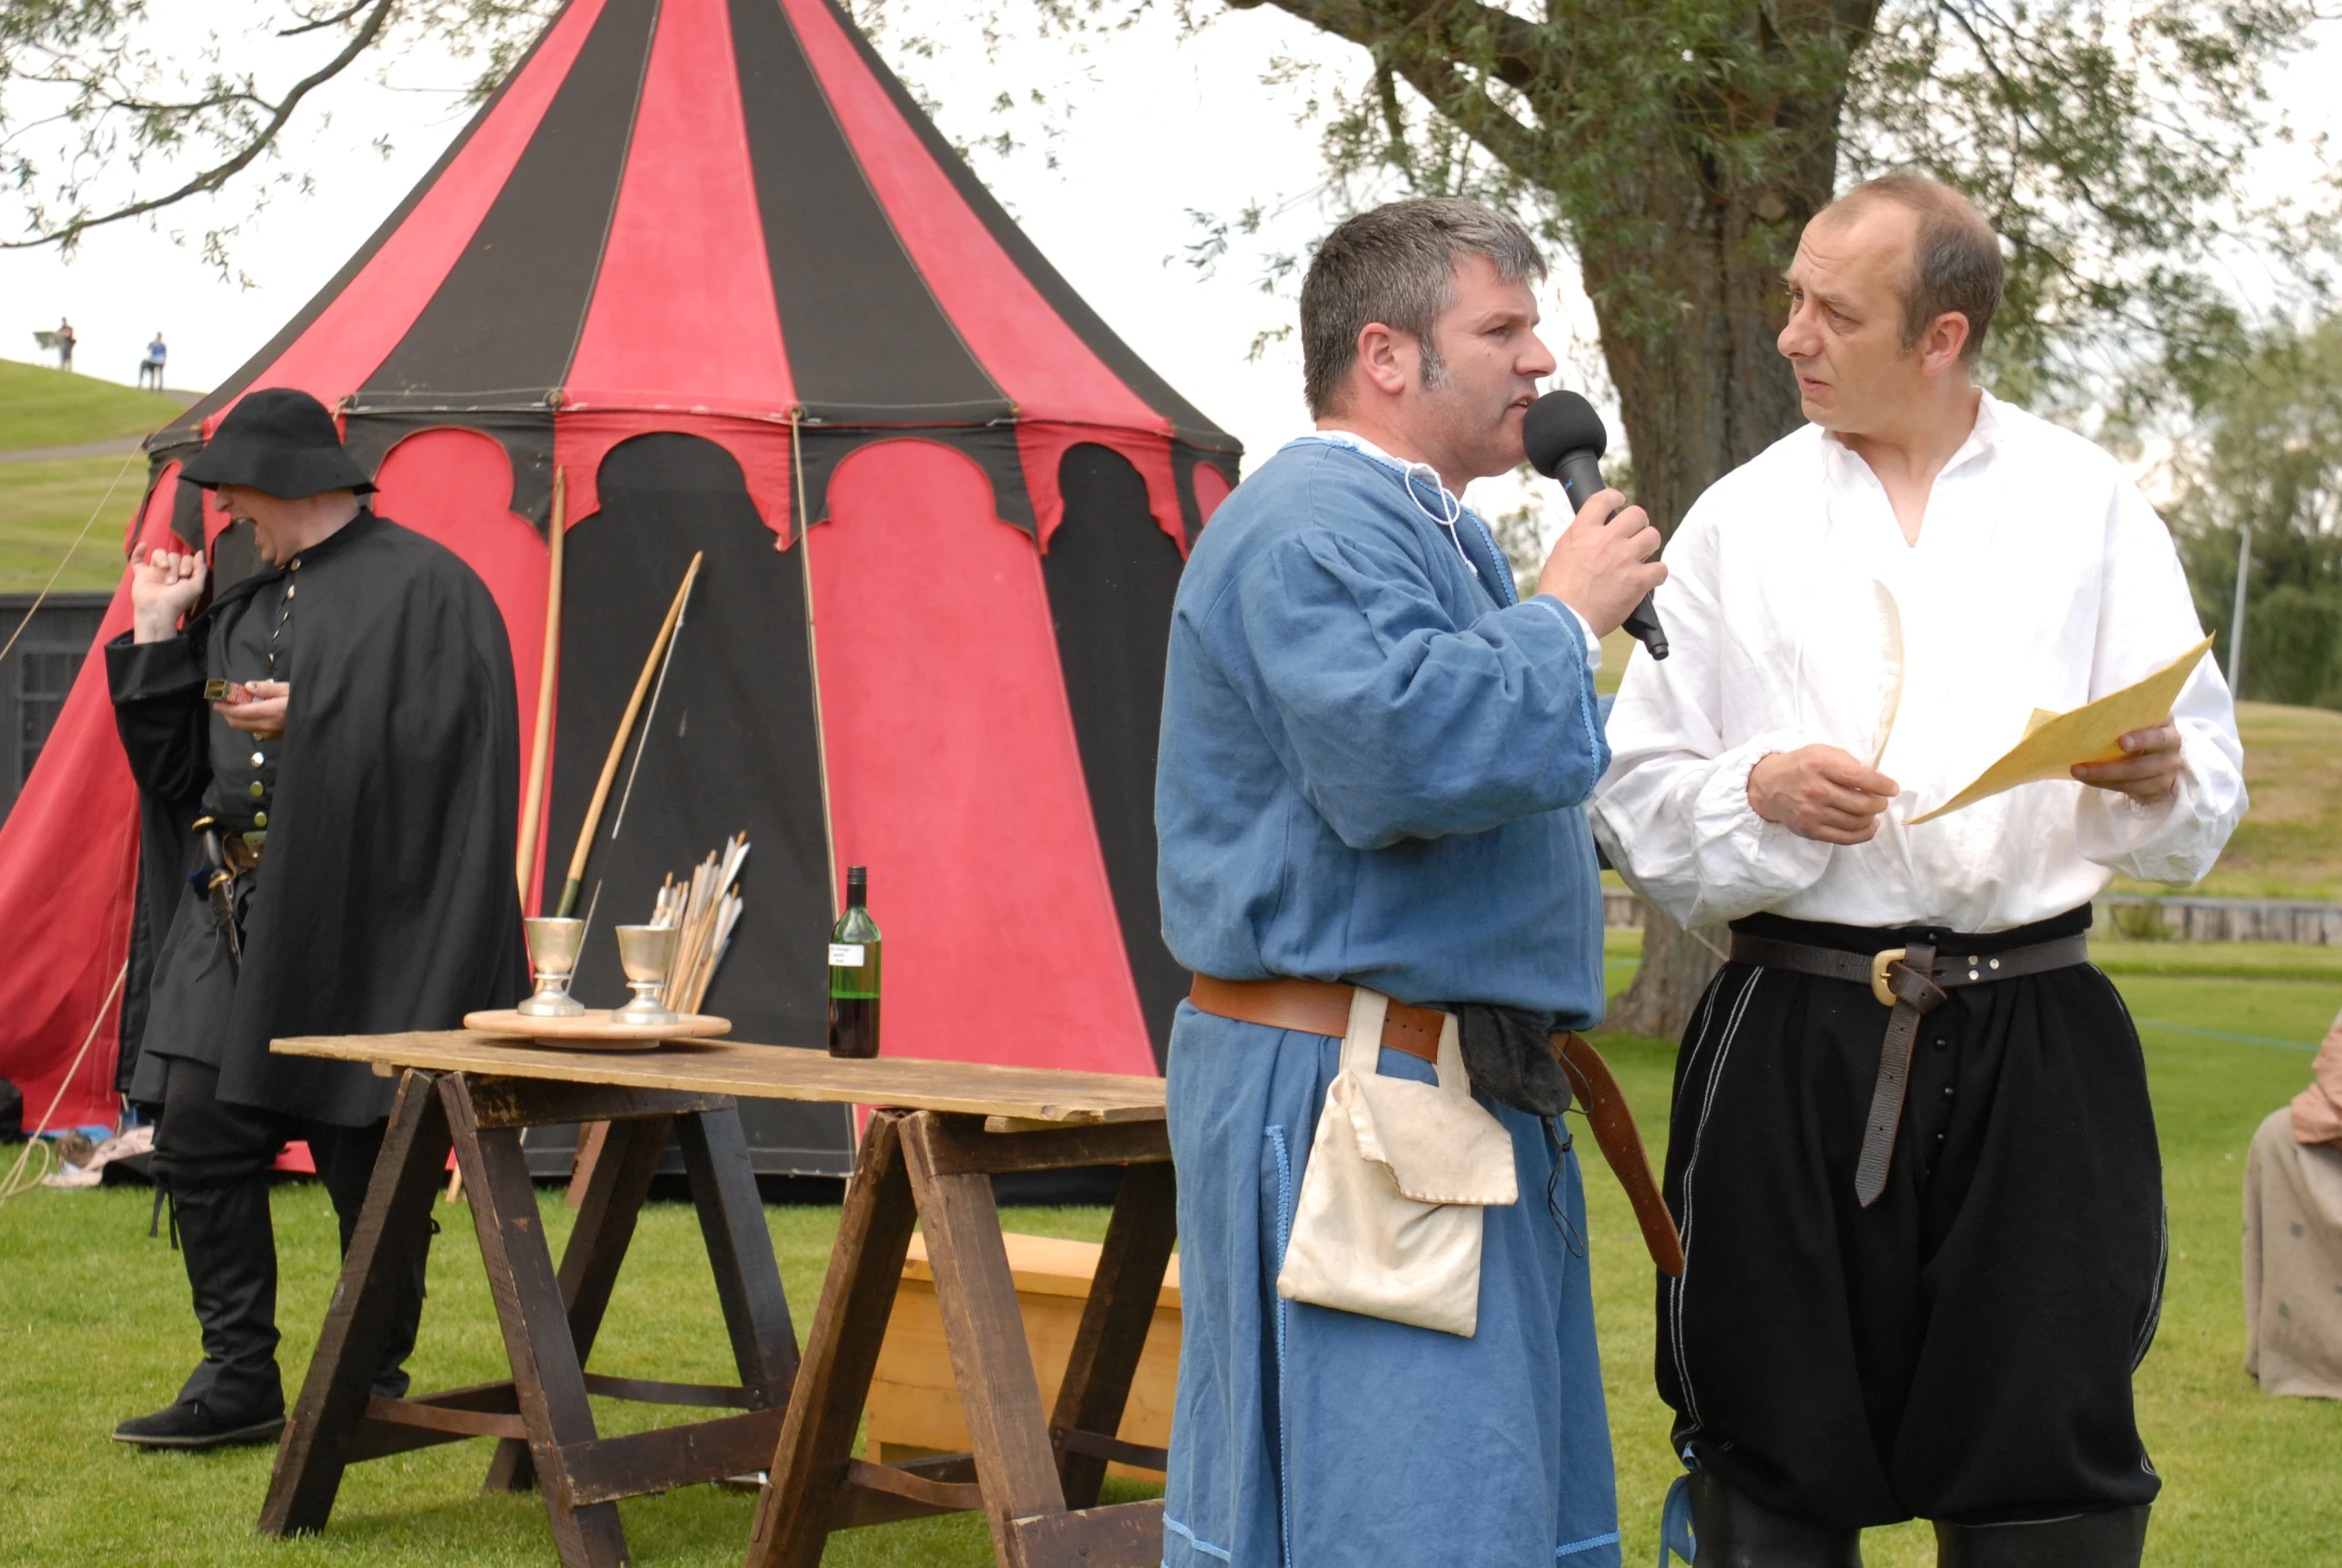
x,y
1913,981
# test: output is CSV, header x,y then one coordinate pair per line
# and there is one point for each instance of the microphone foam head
x,y
1557,425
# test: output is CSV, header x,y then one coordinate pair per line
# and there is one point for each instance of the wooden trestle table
x,y
926,1160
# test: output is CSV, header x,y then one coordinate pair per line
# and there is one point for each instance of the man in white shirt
x,y
1921,1267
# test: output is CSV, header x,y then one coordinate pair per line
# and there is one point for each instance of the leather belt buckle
x,y
1880,964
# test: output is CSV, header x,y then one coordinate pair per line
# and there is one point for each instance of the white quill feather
x,y
1891,667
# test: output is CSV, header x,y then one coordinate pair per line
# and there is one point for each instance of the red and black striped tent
x,y
708,260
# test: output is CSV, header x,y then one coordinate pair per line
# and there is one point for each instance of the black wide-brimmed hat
x,y
281,440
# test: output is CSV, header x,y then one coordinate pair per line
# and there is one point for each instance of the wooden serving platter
x,y
595,1028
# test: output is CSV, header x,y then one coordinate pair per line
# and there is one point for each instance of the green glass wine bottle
x,y
854,972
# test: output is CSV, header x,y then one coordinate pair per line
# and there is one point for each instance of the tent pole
x,y
821,744
534,803
821,740
532,800
602,788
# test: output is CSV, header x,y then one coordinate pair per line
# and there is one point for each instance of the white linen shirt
x,y
2043,578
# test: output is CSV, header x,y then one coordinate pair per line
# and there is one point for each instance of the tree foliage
x,y
2266,457
117,110
2112,147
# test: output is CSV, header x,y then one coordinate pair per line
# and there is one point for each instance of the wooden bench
x,y
914,1410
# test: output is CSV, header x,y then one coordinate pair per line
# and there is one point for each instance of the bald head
x,y
1954,256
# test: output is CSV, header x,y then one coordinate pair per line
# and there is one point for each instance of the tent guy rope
x,y
9,1189
34,609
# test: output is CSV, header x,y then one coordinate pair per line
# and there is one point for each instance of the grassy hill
x,y
2290,845
44,503
42,508
40,407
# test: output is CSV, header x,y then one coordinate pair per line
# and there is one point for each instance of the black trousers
x,y
1962,1349
212,1157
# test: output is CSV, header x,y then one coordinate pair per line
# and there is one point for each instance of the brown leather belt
x,y
1913,981
1318,1007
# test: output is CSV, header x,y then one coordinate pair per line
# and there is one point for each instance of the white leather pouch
x,y
1389,1217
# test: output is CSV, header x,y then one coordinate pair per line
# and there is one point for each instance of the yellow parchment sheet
x,y
2054,742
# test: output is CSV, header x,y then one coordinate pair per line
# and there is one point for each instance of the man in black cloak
x,y
338,732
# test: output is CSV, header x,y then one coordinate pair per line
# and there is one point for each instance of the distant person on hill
x,y
150,369
64,343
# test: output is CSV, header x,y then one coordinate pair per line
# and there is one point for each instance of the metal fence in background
x,y
37,674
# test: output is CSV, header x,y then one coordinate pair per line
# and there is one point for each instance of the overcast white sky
x,y
1162,127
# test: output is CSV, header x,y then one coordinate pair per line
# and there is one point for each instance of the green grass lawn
x,y
44,503
2290,844
44,406
94,1325
43,506
2217,959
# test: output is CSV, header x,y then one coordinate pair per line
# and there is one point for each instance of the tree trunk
x,y
1677,966
1699,394
1684,276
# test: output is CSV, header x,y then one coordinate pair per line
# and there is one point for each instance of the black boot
x,y
2111,1538
346,1158
390,1379
235,1395
191,1425
1735,1531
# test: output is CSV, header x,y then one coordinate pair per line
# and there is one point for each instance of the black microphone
x,y
1565,439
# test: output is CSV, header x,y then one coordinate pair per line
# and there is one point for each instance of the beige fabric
x,y
2293,1262
2317,1110
1389,1220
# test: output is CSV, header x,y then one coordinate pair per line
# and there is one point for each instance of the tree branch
x,y
260,141
1454,94
323,22
1512,50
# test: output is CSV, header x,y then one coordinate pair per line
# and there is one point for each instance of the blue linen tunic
x,y
1371,767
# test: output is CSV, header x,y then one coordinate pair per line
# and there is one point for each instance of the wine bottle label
x,y
846,955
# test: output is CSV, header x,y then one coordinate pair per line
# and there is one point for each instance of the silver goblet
x,y
552,955
647,953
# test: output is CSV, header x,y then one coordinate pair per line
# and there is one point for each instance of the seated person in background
x,y
2293,1238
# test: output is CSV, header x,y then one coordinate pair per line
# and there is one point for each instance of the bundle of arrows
x,y
706,908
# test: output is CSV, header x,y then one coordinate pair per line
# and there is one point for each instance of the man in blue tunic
x,y
1374,759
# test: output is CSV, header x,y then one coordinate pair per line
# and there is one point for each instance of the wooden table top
x,y
752,1072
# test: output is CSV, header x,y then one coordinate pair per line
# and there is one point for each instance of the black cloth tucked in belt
x,y
1908,970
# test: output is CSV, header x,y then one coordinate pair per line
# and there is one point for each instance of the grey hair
x,y
1956,259
1396,265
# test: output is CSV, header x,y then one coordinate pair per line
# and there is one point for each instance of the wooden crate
x,y
914,1408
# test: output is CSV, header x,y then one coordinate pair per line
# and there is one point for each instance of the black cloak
x,y
388,902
